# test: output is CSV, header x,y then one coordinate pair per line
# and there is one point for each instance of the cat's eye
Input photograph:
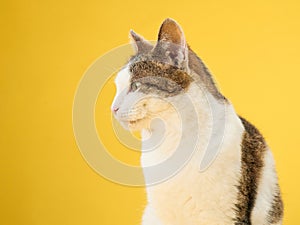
x,y
134,86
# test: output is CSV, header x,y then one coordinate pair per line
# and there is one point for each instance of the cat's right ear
x,y
140,44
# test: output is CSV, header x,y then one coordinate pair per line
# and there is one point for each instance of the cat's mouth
x,y
133,122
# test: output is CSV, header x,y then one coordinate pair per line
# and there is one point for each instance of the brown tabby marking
x,y
253,150
164,77
276,212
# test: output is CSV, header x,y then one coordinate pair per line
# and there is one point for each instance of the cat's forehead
x,y
124,75
152,69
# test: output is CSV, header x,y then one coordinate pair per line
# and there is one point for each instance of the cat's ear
x,y
139,43
171,39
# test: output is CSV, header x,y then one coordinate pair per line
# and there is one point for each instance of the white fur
x,y
266,189
121,82
191,197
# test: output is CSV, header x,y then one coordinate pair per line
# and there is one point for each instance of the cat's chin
x,y
134,125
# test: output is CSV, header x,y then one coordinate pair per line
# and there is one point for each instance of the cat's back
x,y
259,199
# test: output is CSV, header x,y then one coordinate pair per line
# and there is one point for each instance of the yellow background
x,y
252,48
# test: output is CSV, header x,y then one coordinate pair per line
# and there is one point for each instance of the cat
x,y
240,185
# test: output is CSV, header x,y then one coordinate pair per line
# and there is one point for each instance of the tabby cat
x,y
240,185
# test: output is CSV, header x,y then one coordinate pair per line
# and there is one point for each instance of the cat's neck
x,y
188,126
204,125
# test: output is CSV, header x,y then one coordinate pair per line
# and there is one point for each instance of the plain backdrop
x,y
251,47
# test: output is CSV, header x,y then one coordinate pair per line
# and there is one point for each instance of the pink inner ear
x,y
172,45
170,31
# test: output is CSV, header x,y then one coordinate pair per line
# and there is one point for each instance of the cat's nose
x,y
115,109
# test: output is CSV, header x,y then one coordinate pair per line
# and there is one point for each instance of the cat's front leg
x,y
149,217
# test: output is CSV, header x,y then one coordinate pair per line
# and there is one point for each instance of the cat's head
x,y
156,76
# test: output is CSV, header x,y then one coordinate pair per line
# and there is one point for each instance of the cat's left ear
x,y
139,43
171,39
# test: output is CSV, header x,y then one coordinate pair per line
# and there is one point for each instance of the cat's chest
x,y
195,196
